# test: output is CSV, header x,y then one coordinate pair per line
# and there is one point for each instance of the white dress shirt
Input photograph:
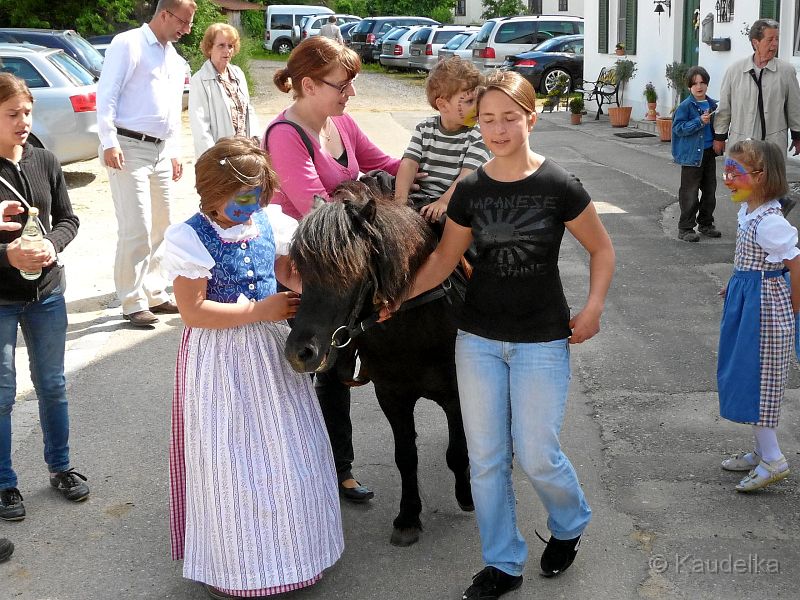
x,y
775,234
140,88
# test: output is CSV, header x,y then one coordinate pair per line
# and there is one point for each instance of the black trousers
x,y
697,194
334,400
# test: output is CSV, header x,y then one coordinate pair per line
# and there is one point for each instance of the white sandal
x,y
740,462
776,470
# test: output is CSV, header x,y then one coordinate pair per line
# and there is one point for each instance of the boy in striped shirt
x,y
447,146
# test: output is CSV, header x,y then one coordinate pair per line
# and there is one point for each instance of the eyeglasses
x,y
730,175
185,23
340,87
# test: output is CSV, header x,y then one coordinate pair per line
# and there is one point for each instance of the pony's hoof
x,y
404,537
466,507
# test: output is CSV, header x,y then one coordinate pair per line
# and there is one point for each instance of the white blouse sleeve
x,y
184,254
778,238
283,228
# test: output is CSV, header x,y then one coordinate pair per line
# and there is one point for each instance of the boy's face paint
x,y
240,208
738,180
466,108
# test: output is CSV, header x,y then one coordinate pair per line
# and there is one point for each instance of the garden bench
x,y
603,91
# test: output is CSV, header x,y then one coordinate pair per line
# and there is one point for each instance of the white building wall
x,y
659,42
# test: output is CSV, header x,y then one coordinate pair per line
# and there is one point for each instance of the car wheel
x,y
283,46
550,80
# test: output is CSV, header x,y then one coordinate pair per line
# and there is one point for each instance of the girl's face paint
x,y
466,108
240,208
738,180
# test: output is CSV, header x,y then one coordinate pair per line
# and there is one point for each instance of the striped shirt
x,y
442,154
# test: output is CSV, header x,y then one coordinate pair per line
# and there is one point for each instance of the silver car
x,y
426,42
394,50
65,114
460,45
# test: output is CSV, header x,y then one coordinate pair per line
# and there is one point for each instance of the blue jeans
x,y
513,397
44,327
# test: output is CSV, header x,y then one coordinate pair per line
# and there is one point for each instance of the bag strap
x,y
300,131
14,191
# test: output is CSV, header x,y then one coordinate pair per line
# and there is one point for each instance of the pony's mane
x,y
337,244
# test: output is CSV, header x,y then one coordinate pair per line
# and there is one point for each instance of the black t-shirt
x,y
515,292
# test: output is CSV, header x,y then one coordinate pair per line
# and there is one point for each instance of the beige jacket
x,y
737,117
209,112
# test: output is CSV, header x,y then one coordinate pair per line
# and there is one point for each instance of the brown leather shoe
x,y
165,308
141,318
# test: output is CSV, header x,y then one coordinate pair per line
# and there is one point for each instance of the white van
x,y
282,25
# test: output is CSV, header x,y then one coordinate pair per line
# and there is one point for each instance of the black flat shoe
x,y
11,507
6,549
356,494
558,555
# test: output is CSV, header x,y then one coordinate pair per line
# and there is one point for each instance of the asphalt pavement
x,y
642,429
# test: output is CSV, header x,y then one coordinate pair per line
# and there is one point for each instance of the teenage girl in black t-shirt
x,y
512,350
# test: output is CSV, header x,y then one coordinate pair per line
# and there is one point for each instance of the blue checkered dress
x,y
756,333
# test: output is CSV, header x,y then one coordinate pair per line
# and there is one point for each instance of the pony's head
x,y
353,254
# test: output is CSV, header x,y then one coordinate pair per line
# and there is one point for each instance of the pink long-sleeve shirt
x,y
300,178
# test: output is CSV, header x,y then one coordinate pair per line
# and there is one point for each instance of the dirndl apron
x,y
756,334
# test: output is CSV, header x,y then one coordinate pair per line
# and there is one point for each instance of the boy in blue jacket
x,y
692,148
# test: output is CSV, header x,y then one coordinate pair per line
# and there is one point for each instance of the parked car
x,y
364,36
282,25
550,60
459,45
426,42
394,49
65,95
504,36
311,24
346,29
68,40
102,42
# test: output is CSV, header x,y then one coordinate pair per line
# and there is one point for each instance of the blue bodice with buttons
x,y
244,267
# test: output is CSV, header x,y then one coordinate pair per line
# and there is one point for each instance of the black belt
x,y
142,137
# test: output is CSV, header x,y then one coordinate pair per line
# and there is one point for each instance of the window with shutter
x,y
770,9
602,33
630,26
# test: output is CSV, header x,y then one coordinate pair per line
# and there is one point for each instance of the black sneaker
x,y
6,549
67,483
11,507
710,231
490,584
558,555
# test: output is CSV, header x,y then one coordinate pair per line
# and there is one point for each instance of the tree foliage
x,y
502,8
89,17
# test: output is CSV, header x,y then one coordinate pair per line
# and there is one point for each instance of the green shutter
x,y
630,26
602,31
770,9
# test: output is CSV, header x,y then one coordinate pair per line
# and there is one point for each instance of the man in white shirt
x,y
331,30
139,119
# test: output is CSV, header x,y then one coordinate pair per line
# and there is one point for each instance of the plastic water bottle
x,y
32,239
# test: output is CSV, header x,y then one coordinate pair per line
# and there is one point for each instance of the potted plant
x,y
553,98
624,70
576,108
651,96
676,81
619,49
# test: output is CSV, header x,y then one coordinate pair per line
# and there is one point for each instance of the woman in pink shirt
x,y
314,147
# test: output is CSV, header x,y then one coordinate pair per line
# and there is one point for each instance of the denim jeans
x,y
513,397
44,327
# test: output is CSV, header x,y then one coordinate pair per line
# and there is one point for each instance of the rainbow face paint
x,y
467,109
240,208
738,180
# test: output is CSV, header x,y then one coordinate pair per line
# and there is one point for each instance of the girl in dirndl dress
x,y
253,503
757,330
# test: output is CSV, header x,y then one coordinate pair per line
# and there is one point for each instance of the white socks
x,y
766,446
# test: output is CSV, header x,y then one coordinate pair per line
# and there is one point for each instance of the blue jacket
x,y
687,132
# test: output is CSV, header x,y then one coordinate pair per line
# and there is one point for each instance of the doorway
x,y
691,32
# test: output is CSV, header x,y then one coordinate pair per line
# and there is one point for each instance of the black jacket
x,y
39,179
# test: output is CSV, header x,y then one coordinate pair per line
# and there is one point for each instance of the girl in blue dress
x,y
757,330
253,504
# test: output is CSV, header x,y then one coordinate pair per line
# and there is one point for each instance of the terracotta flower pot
x,y
664,126
651,112
575,118
619,116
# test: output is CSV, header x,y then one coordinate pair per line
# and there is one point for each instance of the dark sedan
x,y
548,61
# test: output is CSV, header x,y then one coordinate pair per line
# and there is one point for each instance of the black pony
x,y
355,254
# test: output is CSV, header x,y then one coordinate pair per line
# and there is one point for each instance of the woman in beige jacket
x,y
219,102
